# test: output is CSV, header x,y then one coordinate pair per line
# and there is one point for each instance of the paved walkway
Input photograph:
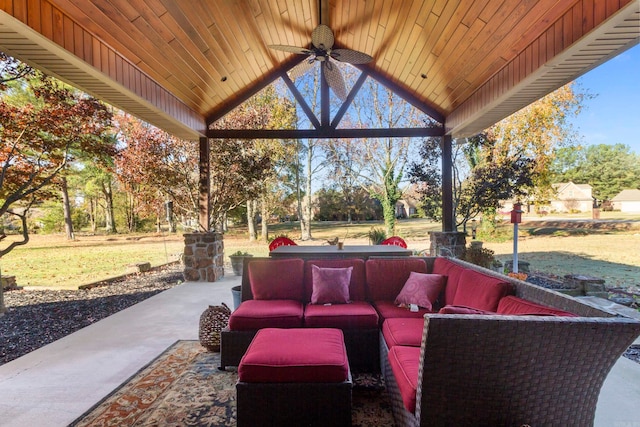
x,y
55,384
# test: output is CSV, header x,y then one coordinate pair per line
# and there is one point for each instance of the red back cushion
x,y
478,290
452,271
386,277
277,279
356,286
514,305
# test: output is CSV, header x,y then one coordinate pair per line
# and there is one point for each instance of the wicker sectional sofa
x,y
490,349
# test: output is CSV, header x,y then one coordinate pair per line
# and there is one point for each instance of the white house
x,y
572,197
627,201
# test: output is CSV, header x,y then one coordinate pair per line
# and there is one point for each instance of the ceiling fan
x,y
322,51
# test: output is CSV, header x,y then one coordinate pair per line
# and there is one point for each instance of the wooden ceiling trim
x,y
94,19
57,61
484,68
485,106
184,34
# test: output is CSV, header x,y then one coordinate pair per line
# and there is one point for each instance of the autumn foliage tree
x,y
154,168
39,138
512,159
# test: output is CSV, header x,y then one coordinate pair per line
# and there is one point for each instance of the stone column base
x,y
203,257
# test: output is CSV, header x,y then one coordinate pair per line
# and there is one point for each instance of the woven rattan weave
x,y
212,321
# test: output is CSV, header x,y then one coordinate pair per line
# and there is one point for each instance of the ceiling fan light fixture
x,y
322,51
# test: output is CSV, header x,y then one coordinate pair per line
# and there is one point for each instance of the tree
x,y
39,140
380,164
512,159
245,170
609,169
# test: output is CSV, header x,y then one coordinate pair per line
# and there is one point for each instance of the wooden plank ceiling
x,y
182,64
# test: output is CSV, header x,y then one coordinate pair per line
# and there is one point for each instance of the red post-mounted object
x,y
516,213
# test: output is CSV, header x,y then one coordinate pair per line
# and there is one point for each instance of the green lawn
x,y
609,251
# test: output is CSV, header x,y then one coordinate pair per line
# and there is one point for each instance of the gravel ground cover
x,y
35,318
38,317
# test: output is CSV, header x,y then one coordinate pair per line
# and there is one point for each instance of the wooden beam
x,y
448,219
347,103
303,103
204,202
404,93
324,133
255,88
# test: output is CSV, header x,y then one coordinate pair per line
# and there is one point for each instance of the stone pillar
x,y
447,243
203,257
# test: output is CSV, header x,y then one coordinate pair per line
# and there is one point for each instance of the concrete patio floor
x,y
55,384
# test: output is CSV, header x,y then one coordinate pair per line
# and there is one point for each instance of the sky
x,y
613,115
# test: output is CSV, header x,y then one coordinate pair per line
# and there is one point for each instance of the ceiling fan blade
x,y
301,69
334,79
292,49
350,56
322,37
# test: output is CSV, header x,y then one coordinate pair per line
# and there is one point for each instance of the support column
x,y
204,203
203,257
448,219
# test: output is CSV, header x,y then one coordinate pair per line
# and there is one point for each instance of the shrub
x,y
479,256
377,235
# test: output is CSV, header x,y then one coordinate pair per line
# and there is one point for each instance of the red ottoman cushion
x,y
295,356
405,362
400,331
258,314
356,315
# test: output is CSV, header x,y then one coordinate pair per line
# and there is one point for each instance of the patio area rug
x,y
183,387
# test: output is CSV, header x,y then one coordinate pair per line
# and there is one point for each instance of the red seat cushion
x,y
256,314
357,290
295,356
386,277
405,362
459,309
400,331
356,315
277,279
481,291
453,271
514,305
389,310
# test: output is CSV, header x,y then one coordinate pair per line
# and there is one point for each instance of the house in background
x,y
572,197
627,201
408,205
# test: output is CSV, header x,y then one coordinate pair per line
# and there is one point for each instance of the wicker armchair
x,y
512,370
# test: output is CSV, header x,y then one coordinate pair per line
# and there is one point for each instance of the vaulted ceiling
x,y
183,64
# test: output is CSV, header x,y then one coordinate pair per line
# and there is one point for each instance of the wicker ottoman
x,y
295,377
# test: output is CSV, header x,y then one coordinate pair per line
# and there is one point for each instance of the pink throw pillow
x,y
330,285
421,289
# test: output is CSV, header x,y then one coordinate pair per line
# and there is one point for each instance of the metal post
x,y
515,247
